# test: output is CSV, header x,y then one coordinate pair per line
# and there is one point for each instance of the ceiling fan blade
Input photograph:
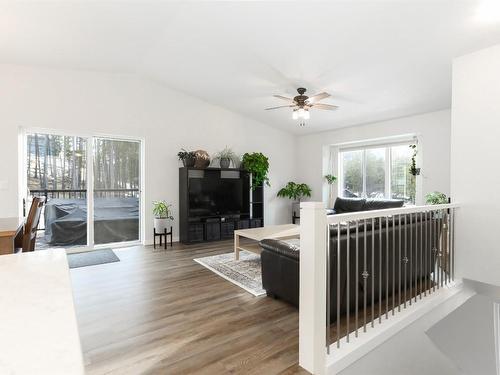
x,y
284,98
281,106
317,97
325,106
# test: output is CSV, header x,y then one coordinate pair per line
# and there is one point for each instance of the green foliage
x,y
183,154
436,197
227,153
257,164
295,191
162,210
330,178
413,166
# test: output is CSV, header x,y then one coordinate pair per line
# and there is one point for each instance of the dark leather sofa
x,y
280,259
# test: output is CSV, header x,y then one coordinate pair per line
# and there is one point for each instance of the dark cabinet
x,y
227,229
212,231
214,202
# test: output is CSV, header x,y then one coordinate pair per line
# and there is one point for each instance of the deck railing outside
x,y
378,263
82,193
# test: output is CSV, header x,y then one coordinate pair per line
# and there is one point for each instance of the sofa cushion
x,y
343,205
288,248
381,204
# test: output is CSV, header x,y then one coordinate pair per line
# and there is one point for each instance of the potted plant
x,y
258,165
188,158
295,191
163,213
436,197
225,157
330,180
414,171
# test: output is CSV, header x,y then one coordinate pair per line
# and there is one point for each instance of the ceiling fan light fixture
x,y
306,115
295,114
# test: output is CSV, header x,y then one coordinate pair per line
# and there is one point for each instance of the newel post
x,y
312,300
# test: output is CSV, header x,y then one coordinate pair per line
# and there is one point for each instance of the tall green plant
x,y
295,191
258,165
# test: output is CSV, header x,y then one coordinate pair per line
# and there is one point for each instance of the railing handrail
x,y
77,190
360,215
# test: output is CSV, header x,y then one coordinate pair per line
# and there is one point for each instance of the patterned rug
x,y
245,272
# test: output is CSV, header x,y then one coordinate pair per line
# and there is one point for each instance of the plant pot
x,y
160,224
225,162
189,162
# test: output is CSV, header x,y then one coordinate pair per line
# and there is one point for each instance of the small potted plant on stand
x,y
188,158
162,212
225,157
295,191
330,179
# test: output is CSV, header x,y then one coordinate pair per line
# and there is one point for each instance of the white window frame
x,y
89,137
387,170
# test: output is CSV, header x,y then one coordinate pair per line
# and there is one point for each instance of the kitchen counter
x,y
38,327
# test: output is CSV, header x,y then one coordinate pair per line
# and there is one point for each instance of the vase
x,y
202,159
225,162
189,161
160,224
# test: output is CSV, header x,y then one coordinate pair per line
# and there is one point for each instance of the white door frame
x,y
89,137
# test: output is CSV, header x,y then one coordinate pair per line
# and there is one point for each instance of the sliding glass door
x,y
116,190
91,186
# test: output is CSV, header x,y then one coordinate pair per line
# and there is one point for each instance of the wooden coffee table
x,y
258,234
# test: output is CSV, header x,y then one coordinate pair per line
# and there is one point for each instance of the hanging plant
x,y
330,179
258,165
414,171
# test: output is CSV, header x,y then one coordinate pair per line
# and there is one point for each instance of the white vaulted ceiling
x,y
378,59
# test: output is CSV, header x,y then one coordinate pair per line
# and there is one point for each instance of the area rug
x,y
92,258
245,272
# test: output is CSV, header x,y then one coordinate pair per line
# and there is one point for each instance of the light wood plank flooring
x,y
159,312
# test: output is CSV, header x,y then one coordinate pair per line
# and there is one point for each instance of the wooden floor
x,y
159,312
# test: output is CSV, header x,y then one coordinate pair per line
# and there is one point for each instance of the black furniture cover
x,y
115,220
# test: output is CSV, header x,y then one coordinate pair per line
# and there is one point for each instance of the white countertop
x,y
38,327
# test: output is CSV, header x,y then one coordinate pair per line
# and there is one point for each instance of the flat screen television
x,y
212,195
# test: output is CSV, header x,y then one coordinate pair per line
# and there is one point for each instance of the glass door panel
x,y
56,169
116,172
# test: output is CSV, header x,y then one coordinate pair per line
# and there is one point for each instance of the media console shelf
x,y
214,202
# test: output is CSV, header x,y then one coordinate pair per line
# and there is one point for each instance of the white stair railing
x,y
376,264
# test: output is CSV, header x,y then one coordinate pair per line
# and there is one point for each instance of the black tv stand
x,y
197,226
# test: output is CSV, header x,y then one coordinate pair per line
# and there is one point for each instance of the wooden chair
x,y
26,242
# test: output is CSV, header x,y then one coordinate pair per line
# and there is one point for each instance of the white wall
x,y
100,103
475,163
432,130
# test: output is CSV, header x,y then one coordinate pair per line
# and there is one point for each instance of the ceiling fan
x,y
301,104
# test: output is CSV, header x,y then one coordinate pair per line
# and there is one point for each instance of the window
x,y
377,172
